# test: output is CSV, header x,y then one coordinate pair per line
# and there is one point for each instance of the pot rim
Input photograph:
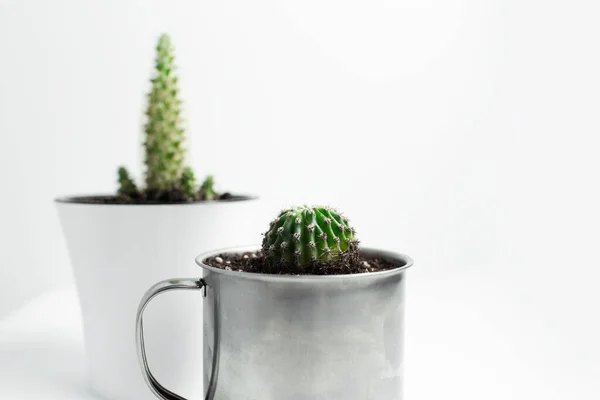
x,y
405,260
78,199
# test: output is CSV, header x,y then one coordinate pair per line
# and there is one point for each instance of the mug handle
x,y
162,287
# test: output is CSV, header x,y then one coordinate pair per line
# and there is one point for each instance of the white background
x,y
461,132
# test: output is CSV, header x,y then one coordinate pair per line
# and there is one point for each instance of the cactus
x,y
188,182
127,186
206,190
166,178
165,152
304,235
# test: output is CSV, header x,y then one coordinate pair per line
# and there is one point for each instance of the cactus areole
x,y
304,235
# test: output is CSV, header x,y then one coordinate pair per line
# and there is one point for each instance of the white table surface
x,y
486,337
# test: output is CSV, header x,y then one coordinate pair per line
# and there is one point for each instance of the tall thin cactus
x,y
166,178
165,151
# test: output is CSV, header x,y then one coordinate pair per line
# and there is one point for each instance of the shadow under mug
x,y
295,337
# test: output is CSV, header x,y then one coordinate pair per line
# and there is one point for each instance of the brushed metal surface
x,y
286,337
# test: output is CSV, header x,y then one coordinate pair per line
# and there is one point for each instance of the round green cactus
x,y
304,235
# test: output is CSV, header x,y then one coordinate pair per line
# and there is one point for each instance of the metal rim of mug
x,y
406,262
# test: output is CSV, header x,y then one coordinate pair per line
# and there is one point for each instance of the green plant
x,y
165,152
164,143
207,190
188,182
303,235
127,186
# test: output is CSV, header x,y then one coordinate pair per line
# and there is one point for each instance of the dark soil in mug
x,y
257,263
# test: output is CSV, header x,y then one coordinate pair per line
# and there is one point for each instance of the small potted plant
x,y
119,244
308,315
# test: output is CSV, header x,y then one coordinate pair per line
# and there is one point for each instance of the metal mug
x,y
295,337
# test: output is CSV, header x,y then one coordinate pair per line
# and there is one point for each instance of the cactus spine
x,y
165,152
304,235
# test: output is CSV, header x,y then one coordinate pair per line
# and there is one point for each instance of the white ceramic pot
x,y
117,252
